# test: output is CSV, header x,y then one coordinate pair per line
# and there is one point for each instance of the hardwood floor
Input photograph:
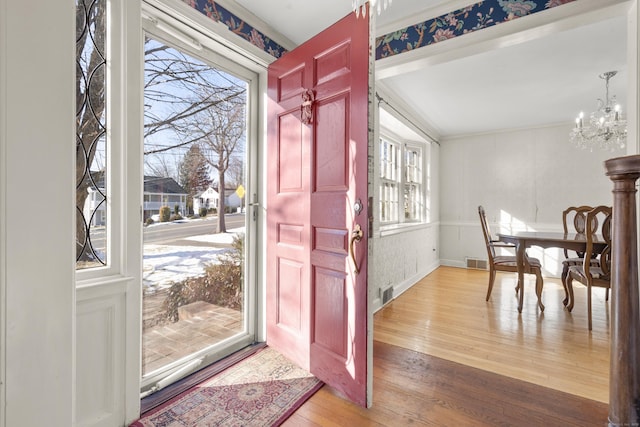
x,y
444,356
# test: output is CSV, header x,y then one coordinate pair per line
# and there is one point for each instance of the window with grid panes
x,y
412,183
401,182
389,180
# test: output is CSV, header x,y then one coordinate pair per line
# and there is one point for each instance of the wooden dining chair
x,y
574,220
507,263
586,273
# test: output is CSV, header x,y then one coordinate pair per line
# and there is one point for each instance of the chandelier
x,y
606,129
359,6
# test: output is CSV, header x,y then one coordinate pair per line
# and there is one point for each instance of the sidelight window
x,y
91,134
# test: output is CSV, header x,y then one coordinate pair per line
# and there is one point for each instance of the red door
x,y
316,203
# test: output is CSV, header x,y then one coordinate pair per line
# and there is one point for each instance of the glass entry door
x,y
197,295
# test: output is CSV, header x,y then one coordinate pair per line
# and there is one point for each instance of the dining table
x,y
544,239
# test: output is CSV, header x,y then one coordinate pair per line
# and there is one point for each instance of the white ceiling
x,y
299,20
547,80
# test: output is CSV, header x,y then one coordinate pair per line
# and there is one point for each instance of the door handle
x,y
356,236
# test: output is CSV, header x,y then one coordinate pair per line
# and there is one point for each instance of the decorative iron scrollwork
x,y
306,113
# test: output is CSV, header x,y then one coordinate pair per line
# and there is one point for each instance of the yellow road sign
x,y
240,191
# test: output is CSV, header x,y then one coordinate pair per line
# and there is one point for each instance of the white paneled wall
x,y
523,178
100,351
401,259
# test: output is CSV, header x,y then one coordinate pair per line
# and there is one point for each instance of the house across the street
x,y
210,199
159,191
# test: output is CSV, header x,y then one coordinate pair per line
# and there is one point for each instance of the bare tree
x,y
235,172
177,88
161,166
221,130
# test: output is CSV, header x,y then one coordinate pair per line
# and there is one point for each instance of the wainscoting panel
x,y
402,257
463,242
100,355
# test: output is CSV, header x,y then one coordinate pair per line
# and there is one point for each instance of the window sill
x,y
388,230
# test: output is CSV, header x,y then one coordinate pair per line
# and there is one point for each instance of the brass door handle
x,y
356,236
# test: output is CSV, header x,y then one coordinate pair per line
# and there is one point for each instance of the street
x,y
169,232
166,233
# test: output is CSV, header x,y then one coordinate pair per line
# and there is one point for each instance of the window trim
x,y
121,111
391,180
410,146
399,221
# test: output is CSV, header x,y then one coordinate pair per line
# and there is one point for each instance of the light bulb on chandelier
x,y
359,6
606,129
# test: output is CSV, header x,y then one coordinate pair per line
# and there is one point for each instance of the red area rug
x,y
262,390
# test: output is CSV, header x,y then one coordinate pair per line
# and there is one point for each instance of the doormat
x,y
261,390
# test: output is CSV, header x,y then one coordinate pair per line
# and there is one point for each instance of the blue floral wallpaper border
x,y
237,26
468,19
462,21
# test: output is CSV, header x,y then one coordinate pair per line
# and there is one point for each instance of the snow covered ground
x,y
164,264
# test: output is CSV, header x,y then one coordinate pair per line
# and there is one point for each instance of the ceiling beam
x,y
518,31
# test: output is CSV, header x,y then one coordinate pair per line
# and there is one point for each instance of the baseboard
x,y
453,263
400,288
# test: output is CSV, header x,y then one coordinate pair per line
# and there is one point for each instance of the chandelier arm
x,y
605,129
360,8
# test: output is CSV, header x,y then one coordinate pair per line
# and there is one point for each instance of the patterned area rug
x,y
262,390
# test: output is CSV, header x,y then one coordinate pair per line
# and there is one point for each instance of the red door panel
x,y
317,171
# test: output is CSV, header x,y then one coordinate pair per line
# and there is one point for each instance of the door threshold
x,y
158,398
